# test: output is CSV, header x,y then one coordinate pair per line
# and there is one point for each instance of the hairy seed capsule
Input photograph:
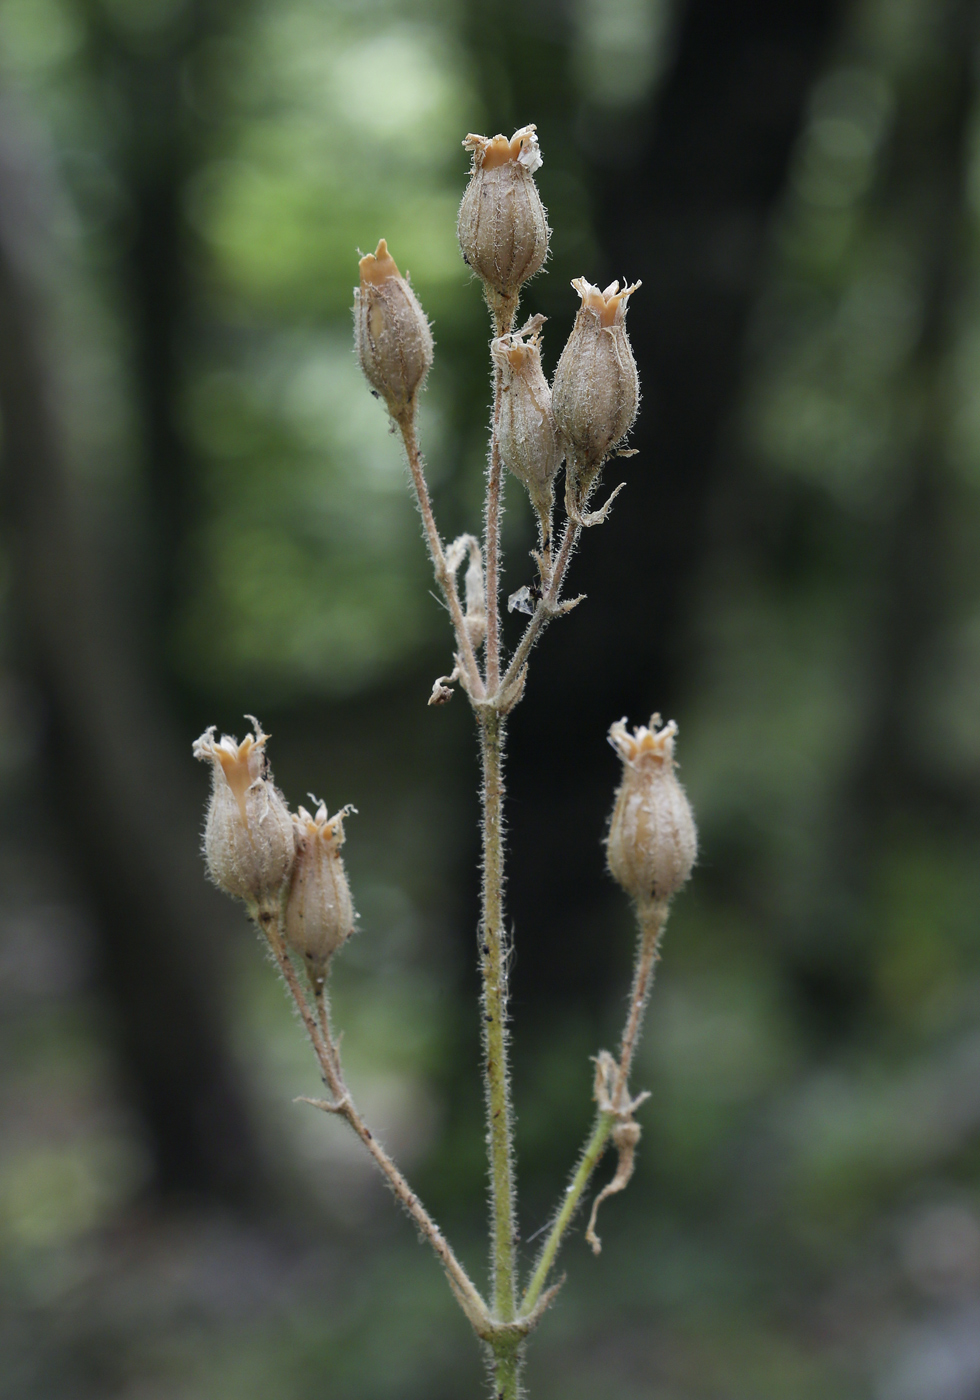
x,y
391,333
528,442
596,390
248,836
503,230
652,843
319,910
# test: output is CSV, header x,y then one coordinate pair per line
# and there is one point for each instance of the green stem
x,y
445,579
588,1162
651,918
491,539
547,608
493,955
508,1362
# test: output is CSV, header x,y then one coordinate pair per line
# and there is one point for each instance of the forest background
x,y
203,514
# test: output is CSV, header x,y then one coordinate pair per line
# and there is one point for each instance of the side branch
x,y
444,576
652,918
328,1056
589,1160
548,606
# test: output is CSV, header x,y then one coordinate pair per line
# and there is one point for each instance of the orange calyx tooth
x,y
378,266
499,152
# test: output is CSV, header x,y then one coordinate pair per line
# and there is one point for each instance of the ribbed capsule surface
x,y
319,909
596,389
652,843
527,436
391,333
503,229
248,835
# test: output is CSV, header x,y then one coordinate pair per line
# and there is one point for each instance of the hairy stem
x,y
491,525
651,918
508,1361
445,578
589,1160
328,1055
493,965
547,608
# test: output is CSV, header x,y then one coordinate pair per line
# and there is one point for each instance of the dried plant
x,y
289,870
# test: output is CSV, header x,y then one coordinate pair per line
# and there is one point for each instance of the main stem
x,y
507,1363
493,963
503,311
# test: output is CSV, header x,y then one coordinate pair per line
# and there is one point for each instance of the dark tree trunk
x,y
893,785
926,190
113,763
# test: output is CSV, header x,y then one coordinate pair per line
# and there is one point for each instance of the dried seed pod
x,y
503,230
528,441
652,843
596,390
319,910
248,836
391,333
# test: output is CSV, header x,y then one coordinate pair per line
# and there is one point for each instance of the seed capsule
x,y
319,910
652,843
248,836
391,333
503,230
596,390
528,442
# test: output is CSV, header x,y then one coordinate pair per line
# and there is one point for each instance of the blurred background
x,y
203,514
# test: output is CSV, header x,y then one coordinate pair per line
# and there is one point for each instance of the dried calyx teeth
x,y
503,230
391,333
595,392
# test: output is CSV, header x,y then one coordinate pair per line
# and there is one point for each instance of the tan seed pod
x,y
652,843
596,389
503,230
391,333
319,909
248,836
528,441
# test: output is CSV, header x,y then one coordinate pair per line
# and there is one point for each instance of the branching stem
x,y
651,918
328,1055
548,606
444,575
